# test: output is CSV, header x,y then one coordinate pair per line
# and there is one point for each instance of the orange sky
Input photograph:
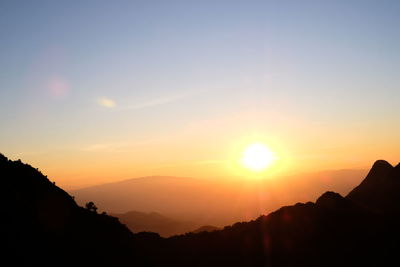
x,y
213,148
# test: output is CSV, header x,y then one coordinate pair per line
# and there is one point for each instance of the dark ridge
x,y
397,168
330,200
206,228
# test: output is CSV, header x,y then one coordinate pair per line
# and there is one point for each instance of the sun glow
x,y
257,157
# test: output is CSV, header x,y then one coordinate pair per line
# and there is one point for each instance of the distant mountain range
x,y
214,201
43,226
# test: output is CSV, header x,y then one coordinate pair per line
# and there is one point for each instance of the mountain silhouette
x,y
43,226
379,191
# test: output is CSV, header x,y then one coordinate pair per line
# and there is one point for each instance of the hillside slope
x,y
42,225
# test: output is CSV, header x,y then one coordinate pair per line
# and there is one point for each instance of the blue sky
x,y
164,65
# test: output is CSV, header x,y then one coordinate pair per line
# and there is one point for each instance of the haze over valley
x,y
218,202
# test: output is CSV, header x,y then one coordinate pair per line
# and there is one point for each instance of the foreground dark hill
x,y
43,226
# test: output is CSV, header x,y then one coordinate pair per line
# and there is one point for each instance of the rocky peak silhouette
x,y
379,191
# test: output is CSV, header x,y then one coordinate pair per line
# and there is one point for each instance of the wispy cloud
x,y
106,102
156,102
117,146
100,147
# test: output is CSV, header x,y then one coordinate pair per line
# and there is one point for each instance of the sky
x,y
100,91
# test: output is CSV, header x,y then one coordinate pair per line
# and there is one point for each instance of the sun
x,y
257,157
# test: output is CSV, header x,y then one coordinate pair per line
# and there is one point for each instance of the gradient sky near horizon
x,y
96,91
